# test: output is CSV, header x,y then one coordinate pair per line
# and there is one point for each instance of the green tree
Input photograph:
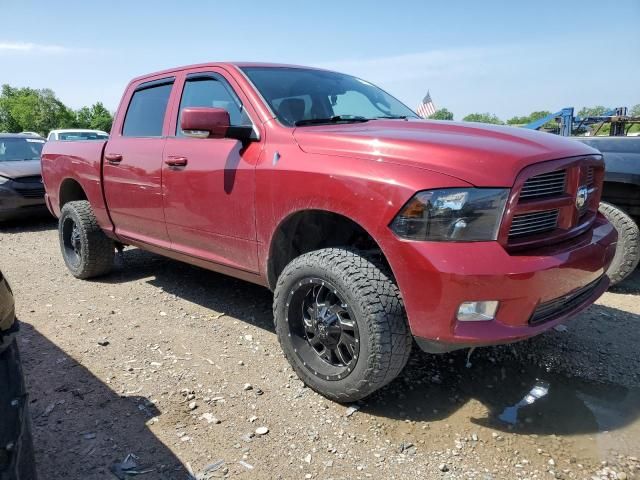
x,y
32,109
518,121
83,118
7,98
96,117
441,114
532,117
635,110
483,118
592,111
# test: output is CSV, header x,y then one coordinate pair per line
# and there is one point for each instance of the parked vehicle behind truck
x,y
75,134
21,189
621,198
371,226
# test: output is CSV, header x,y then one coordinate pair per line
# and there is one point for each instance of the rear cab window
x,y
147,108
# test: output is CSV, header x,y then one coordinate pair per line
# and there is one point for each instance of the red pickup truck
x,y
373,227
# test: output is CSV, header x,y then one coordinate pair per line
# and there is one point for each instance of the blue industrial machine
x,y
568,125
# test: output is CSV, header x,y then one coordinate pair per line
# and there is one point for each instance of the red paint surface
x,y
222,208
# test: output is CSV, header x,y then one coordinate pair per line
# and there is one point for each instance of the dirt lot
x,y
154,360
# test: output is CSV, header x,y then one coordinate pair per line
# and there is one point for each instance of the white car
x,y
71,134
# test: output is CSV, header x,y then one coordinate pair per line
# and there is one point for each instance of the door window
x,y
146,111
211,90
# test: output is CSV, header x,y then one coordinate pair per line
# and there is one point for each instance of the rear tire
x,y
86,250
364,321
627,253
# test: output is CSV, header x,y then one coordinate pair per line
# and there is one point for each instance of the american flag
x,y
426,107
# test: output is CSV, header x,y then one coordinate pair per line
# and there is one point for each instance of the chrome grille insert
x,y
544,185
533,223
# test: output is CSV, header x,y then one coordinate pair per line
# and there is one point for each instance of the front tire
x,y
341,323
627,253
86,250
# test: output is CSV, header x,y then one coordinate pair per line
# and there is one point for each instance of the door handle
x,y
173,161
113,158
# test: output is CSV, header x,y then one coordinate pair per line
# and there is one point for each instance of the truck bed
x,y
78,161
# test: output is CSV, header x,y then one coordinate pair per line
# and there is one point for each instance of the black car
x,y
21,189
621,198
16,447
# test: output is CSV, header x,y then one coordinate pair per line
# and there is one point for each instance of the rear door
x,y
209,200
133,164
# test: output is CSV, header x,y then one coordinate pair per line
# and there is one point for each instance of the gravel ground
x,y
180,367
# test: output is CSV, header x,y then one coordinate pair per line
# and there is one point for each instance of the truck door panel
x,y
133,167
209,202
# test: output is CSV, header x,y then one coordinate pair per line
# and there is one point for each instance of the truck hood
x,y
19,169
483,155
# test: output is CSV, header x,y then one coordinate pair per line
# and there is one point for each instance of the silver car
x,y
21,189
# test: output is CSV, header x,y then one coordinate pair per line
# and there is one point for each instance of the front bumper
x,y
20,200
435,278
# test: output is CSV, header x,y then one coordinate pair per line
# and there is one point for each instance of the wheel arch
x,y
311,229
70,190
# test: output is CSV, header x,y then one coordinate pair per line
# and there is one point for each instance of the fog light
x,y
477,311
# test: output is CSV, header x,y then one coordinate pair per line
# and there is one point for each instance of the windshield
x,y
82,136
300,96
16,149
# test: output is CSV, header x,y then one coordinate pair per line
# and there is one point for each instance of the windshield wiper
x,y
392,117
334,119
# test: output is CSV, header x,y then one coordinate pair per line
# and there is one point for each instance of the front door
x,y
133,166
209,184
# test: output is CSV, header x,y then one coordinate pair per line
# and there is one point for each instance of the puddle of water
x,y
538,391
511,396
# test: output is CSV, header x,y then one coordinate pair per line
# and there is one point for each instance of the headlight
x,y
3,180
452,214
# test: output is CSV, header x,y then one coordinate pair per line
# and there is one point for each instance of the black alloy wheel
x,y
86,250
341,323
71,241
323,329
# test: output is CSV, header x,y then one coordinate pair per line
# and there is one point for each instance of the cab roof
x,y
222,65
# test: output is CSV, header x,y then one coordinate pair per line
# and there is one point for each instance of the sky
x,y
504,57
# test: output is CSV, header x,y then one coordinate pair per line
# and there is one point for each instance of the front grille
x,y
543,208
37,192
545,185
547,311
29,179
533,223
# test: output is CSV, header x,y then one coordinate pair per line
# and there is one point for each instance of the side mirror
x,y
205,122
211,122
